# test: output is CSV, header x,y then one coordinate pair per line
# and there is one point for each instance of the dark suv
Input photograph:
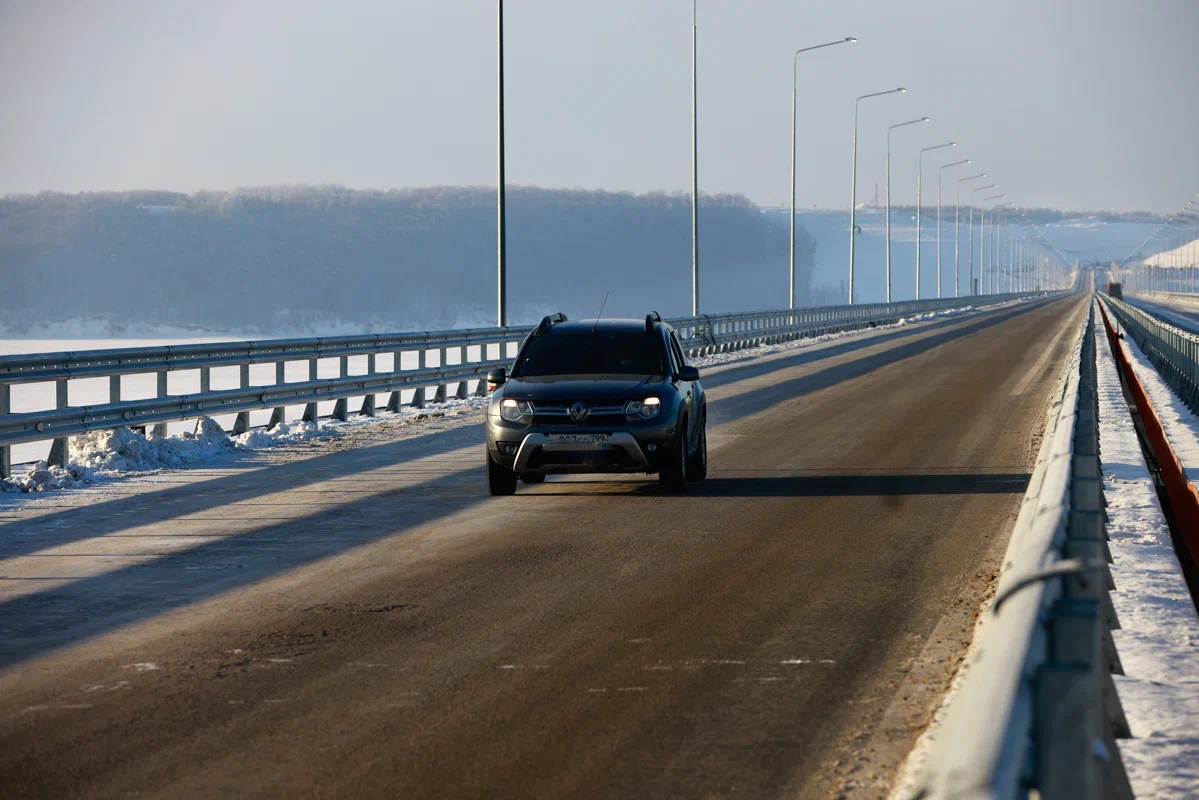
x,y
597,396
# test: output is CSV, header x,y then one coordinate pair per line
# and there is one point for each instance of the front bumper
x,y
619,443
637,448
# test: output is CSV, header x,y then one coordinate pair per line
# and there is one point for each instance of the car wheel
x,y
500,480
533,477
673,475
697,465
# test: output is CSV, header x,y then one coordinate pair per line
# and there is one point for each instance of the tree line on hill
x,y
303,259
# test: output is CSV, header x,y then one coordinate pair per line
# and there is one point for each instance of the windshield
x,y
618,353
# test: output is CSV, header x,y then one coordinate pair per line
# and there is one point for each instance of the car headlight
x,y
646,409
516,410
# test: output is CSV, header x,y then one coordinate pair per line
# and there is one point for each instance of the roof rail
x,y
650,320
550,321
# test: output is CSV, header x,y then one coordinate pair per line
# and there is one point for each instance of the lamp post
x,y
694,169
889,129
957,228
853,181
994,249
971,238
501,254
940,169
919,181
794,66
985,279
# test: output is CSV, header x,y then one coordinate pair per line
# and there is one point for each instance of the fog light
x,y
651,447
509,449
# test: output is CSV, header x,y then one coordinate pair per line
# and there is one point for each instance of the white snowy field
x,y
1158,642
94,391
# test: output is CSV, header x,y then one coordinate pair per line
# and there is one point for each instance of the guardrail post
x,y
418,396
368,402
310,412
341,409
60,449
160,429
393,400
5,452
278,413
481,386
440,396
461,394
242,423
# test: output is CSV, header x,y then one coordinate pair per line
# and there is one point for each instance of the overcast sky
x,y
1068,103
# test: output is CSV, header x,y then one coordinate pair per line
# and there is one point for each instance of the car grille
x,y
598,412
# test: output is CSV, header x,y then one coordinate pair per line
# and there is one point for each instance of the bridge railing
x,y
1172,350
473,351
1037,709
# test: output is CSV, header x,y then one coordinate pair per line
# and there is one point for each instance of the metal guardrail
x,y
1038,709
1174,351
701,335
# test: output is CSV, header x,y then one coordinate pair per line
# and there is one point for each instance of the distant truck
x,y
1115,289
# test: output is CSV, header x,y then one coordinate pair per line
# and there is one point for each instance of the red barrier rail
x,y
1182,493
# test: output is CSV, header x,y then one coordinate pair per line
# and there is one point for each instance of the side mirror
x,y
689,374
497,377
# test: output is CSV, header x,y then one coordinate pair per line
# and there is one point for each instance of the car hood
x,y
583,387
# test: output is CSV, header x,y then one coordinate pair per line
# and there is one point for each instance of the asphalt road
x,y
368,623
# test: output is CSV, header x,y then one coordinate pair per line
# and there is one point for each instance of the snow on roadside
x,y
107,455
1182,427
1158,642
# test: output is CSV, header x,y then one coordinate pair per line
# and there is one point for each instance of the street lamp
x,y
501,254
919,180
971,260
984,246
957,227
889,129
794,65
939,170
694,168
994,250
853,181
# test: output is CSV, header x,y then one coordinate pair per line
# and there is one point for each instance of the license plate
x,y
579,438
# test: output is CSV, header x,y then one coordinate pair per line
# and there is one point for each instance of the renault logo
x,y
578,411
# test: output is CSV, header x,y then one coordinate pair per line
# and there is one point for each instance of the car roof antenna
x,y
601,311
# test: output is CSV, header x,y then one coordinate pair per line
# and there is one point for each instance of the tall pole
x,y
891,128
501,237
919,240
941,169
694,169
794,68
971,248
957,229
853,182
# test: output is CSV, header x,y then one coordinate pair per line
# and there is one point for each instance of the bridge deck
x,y
368,622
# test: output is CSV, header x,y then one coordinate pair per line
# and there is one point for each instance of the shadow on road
x,y
842,485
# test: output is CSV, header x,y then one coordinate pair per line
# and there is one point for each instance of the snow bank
x,y
103,455
1158,642
283,433
107,455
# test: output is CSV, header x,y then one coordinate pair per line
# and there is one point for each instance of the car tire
x,y
501,481
673,474
697,464
533,477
